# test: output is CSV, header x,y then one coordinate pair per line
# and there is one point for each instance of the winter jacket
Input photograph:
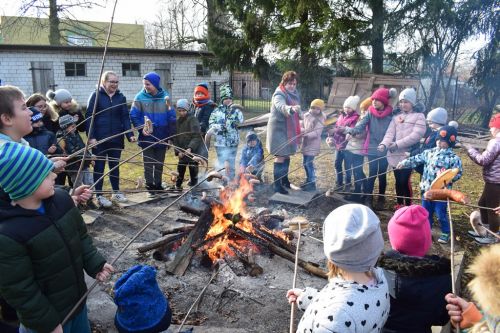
x,y
224,123
355,143
42,260
203,114
428,142
74,111
188,134
311,134
435,161
112,117
42,139
405,130
49,124
417,287
155,108
343,306
489,160
375,134
70,143
344,120
278,136
253,156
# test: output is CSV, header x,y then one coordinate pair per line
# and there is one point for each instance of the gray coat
x,y
277,135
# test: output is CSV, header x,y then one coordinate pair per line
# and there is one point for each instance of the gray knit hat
x,y
183,104
66,120
438,116
410,95
60,95
352,237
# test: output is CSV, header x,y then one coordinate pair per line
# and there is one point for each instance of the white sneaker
x,y
486,240
119,197
103,202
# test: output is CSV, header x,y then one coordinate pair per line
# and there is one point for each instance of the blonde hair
x,y
105,76
333,270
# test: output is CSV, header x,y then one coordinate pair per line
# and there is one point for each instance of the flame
x,y
231,212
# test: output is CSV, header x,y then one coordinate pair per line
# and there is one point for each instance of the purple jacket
x,y
489,160
344,120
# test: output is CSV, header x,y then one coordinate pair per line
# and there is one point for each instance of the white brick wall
x,y
15,65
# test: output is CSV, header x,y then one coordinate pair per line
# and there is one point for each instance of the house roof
x,y
99,49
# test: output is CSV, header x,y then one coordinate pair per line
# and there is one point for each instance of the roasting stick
x,y
452,257
130,243
292,311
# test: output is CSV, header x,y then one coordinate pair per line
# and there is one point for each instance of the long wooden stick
x,y
292,310
452,256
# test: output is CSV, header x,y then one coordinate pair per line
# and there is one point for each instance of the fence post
x,y
215,92
243,85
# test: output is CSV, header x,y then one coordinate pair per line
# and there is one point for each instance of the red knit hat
x,y
410,231
201,88
381,94
495,121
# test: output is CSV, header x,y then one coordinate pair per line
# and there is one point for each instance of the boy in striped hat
x,y
45,245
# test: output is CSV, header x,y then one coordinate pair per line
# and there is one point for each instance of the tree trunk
x,y
377,35
54,32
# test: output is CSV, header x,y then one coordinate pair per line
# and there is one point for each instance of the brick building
x,y
37,68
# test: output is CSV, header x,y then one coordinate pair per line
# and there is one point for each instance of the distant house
x,y
35,31
37,68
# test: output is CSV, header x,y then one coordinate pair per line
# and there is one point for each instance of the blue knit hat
x,y
447,134
141,305
22,169
36,116
154,79
183,104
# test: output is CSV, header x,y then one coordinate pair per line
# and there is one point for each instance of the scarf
x,y
292,122
377,114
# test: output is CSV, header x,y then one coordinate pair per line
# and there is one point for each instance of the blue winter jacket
x,y
111,117
252,156
42,139
155,108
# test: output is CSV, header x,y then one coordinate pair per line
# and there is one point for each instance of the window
x,y
131,69
75,69
202,70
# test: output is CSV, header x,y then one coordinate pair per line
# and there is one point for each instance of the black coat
x,y
417,287
41,139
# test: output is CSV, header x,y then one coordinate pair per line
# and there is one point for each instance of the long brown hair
x,y
37,97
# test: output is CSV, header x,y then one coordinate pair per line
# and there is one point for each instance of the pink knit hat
x,y
410,231
381,94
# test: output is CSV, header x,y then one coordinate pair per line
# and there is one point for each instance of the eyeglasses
x,y
113,82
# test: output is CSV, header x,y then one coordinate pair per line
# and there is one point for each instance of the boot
x,y
380,205
286,167
278,172
193,175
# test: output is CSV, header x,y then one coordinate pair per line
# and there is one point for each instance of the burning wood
x,y
163,241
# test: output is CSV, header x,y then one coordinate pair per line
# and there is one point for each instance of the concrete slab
x,y
294,197
142,197
90,216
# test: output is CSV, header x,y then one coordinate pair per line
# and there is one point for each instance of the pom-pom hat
x,y
495,121
60,95
383,95
447,134
410,231
438,116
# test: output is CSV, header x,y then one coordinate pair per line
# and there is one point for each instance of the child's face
x,y
71,128
252,143
41,106
227,101
377,104
182,112
432,125
37,124
46,188
198,94
66,105
442,144
314,110
405,105
348,110
149,87
20,121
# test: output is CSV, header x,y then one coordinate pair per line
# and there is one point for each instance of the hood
x,y
414,266
417,108
74,107
7,210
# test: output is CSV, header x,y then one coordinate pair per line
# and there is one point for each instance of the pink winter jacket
x,y
405,129
313,127
344,120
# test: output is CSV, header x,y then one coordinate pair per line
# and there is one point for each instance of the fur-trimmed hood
x,y
74,107
414,266
485,285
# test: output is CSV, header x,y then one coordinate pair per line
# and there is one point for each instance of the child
x,y
71,142
484,287
224,123
188,138
348,118
41,225
413,275
356,297
252,156
202,108
406,129
375,125
50,116
40,138
153,102
435,161
63,103
490,161
311,141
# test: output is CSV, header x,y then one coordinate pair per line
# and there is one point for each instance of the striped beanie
x,y
22,169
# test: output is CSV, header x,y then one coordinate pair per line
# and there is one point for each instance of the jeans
x,y
440,208
79,324
355,162
85,177
490,198
112,152
403,186
339,160
308,163
153,159
227,154
377,166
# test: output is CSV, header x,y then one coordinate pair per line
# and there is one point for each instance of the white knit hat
x,y
438,116
410,95
352,237
352,102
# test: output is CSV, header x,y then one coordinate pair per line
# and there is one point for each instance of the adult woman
x,y
283,129
111,117
50,117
